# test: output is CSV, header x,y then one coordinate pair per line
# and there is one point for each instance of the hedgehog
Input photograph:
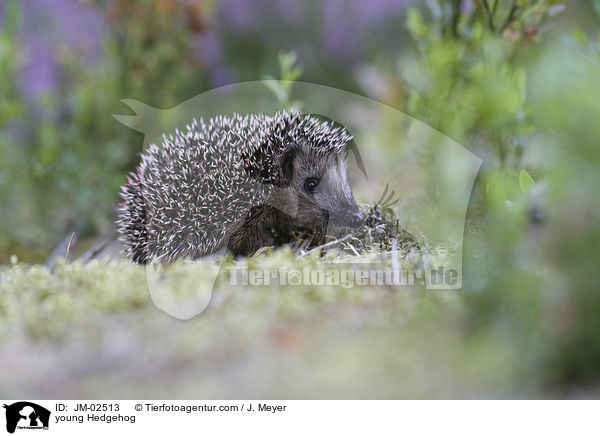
x,y
240,182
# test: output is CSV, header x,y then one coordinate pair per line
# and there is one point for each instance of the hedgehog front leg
x,y
264,226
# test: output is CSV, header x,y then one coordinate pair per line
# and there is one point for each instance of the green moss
x,y
97,322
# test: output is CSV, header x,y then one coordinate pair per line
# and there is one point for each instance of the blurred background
x,y
515,81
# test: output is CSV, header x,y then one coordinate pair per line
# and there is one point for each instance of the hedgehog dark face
x,y
320,186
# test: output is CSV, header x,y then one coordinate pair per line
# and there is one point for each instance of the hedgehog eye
x,y
310,184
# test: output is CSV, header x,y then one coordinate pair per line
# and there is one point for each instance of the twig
x,y
395,262
354,250
489,14
261,250
455,17
511,15
329,244
69,247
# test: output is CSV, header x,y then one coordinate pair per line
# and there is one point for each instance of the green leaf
x,y
12,18
286,61
275,87
580,36
525,181
415,24
596,5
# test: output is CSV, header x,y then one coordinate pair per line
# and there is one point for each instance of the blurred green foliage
x,y
500,82
66,157
470,80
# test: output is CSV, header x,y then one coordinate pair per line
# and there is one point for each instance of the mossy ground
x,y
92,331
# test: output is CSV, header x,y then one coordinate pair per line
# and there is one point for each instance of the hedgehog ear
x,y
287,165
259,166
351,147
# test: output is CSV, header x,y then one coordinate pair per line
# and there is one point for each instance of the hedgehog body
x,y
238,181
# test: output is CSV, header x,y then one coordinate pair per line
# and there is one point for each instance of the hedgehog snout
x,y
355,218
348,215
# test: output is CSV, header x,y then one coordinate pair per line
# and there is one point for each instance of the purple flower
x,y
48,26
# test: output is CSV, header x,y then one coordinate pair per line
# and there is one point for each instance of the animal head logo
x,y
26,415
426,177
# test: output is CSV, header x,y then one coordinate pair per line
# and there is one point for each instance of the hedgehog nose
x,y
355,218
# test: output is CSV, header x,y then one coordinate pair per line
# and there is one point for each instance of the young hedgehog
x,y
244,182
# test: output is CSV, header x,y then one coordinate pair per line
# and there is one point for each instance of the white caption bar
x,y
300,417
